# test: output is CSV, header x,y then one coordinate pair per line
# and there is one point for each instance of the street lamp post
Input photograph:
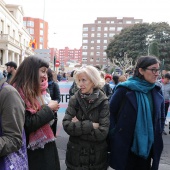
x,y
54,62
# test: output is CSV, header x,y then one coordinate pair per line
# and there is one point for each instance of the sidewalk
x,y
165,158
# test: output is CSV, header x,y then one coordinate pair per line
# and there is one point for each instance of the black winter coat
x,y
54,91
46,158
87,147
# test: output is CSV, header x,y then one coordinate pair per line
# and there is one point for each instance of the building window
x,y
99,22
41,25
112,28
98,47
85,28
92,35
104,53
84,53
41,39
98,53
128,22
91,60
119,28
104,59
85,35
91,53
84,59
98,28
25,23
98,41
92,48
85,47
85,41
98,59
92,28
107,22
105,34
111,35
92,41
112,22
105,28
98,35
105,41
30,23
104,47
30,30
41,32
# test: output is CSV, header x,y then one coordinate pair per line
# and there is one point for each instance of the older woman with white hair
x,y
87,122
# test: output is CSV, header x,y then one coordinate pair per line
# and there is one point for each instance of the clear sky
x,y
66,17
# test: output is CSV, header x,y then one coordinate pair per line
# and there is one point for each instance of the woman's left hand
x,y
74,119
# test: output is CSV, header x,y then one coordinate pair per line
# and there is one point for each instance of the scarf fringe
x,y
39,143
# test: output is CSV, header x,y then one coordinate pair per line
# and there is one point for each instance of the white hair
x,y
92,73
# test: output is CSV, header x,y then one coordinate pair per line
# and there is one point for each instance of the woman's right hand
x,y
95,125
53,105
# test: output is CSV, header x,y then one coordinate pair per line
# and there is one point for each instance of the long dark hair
x,y
144,62
27,77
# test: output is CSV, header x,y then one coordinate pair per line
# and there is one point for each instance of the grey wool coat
x,y
87,147
12,114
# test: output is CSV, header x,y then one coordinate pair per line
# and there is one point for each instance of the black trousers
x,y
166,108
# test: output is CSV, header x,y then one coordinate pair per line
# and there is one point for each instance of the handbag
x,y
16,160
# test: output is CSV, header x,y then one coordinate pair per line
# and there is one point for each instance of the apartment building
x,y
70,56
14,38
96,37
38,29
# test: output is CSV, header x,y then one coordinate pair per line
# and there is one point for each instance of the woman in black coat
x,y
137,119
55,95
31,82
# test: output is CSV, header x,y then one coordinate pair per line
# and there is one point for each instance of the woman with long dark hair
x,y
31,82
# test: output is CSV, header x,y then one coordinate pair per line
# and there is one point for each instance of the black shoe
x,y
164,133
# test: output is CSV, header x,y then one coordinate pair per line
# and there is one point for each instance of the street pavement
x,y
62,140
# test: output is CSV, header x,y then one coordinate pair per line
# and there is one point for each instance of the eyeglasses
x,y
154,70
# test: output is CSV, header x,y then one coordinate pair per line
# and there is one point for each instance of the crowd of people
x,y
113,121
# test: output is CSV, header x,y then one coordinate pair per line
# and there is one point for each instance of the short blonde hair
x,y
92,73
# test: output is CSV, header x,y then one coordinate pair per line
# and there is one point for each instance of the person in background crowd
x,y
98,67
165,84
115,79
13,152
64,78
59,76
122,78
86,121
137,119
107,89
11,69
73,87
5,73
55,95
31,82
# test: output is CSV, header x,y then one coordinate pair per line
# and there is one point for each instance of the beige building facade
x,y
14,38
